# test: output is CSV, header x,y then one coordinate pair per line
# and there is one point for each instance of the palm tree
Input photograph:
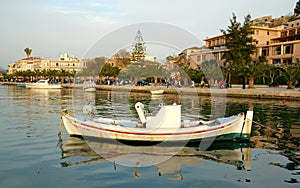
x,y
72,75
194,74
133,71
291,74
156,71
212,71
273,71
27,51
37,73
44,73
253,71
19,74
51,74
62,74
29,74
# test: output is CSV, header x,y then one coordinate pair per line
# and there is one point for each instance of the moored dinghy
x,y
157,92
89,86
43,84
166,125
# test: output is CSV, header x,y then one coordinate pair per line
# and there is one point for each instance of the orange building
x,y
276,39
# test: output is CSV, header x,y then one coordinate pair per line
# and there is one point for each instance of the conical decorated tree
x,y
138,50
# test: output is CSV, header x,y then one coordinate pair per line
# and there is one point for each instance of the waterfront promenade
x,y
260,91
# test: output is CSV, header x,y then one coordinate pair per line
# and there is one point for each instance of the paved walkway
x,y
260,91
236,91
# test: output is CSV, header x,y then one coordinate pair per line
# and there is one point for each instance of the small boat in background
x,y
43,84
157,92
89,86
22,85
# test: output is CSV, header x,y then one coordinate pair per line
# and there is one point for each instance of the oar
x,y
259,124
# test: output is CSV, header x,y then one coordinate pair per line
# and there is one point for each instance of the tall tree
x,y
239,43
27,51
138,50
109,71
297,8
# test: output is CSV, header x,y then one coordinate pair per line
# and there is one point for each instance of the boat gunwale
x,y
117,129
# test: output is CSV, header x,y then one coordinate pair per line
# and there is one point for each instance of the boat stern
x,y
247,126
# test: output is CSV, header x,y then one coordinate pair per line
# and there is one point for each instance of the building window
x,y
257,32
268,33
288,49
276,50
268,42
217,56
73,64
287,61
276,61
57,64
265,52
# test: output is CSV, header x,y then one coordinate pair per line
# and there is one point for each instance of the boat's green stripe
x,y
233,136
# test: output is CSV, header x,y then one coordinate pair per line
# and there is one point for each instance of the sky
x,y
54,27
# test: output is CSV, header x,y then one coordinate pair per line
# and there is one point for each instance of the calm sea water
x,y
32,154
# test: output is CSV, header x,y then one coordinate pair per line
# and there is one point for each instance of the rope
x,y
259,124
64,111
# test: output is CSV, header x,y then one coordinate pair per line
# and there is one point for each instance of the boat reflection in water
x,y
167,159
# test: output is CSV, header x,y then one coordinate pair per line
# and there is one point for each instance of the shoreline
x,y
260,92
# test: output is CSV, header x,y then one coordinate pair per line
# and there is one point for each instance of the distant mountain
x,y
2,70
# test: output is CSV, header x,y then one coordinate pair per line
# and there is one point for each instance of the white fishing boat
x,y
157,92
166,125
43,84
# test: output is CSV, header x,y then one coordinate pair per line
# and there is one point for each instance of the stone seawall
x,y
261,92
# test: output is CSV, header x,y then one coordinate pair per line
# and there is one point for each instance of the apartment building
x,y
66,62
278,39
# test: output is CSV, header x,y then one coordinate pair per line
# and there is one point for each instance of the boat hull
x,y
233,130
44,86
89,89
157,92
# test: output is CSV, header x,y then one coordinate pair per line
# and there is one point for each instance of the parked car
x,y
124,82
142,83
